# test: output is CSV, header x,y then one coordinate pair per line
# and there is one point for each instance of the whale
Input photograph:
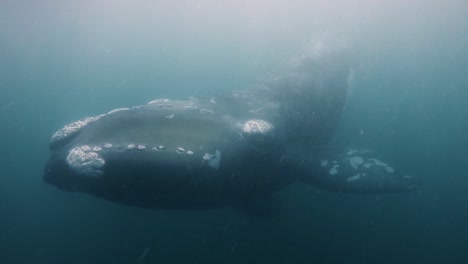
x,y
235,149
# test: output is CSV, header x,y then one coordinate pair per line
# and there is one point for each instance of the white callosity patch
x,y
191,106
382,164
159,101
334,169
162,102
131,146
107,145
206,111
117,110
74,127
170,116
180,150
323,163
353,178
85,148
85,161
135,147
356,161
207,157
213,160
97,149
257,126
159,148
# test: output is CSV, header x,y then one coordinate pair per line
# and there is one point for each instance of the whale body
x,y
226,150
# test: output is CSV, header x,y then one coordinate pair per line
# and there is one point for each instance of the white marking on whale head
x,y
170,116
131,146
190,153
180,150
257,126
162,102
117,110
207,157
85,162
212,160
74,127
85,148
191,106
356,161
159,101
382,164
141,147
159,148
97,149
107,145
353,178
334,169
206,111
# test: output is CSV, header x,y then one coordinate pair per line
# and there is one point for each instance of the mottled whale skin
x,y
228,150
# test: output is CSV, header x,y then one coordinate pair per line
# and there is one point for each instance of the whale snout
x,y
58,173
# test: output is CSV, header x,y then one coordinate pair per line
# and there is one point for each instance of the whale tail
x,y
355,171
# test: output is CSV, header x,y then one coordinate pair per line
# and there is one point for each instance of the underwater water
x,y
63,60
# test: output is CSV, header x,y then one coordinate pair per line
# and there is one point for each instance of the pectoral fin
x,y
357,171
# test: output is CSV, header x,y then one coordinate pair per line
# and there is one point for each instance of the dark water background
x,y
62,60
